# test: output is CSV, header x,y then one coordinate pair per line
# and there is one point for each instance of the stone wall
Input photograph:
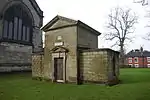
x,y
37,65
37,20
86,38
69,38
93,66
96,65
15,56
37,40
113,61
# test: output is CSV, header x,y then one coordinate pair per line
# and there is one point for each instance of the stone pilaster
x,y
37,40
1,28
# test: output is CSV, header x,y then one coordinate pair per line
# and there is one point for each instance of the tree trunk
x,y
121,54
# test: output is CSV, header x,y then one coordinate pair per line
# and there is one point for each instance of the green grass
x,y
135,86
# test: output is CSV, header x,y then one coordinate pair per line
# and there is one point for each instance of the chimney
x,y
141,50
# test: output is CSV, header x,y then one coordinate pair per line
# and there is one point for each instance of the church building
x,y
20,34
71,55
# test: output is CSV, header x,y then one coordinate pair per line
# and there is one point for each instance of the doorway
x,y
58,69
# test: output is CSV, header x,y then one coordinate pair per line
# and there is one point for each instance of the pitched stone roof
x,y
73,22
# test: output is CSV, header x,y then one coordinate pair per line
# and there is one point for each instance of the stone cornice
x,y
37,8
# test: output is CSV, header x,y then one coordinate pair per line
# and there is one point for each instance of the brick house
x,y
138,58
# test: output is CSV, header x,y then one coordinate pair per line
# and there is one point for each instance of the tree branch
x,y
115,44
121,24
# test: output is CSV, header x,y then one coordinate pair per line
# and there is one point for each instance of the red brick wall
x,y
140,61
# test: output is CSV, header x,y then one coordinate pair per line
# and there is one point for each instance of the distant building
x,y
138,58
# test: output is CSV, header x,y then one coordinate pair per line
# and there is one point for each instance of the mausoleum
x,y
71,54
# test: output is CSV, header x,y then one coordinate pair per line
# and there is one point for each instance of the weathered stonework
x,y
97,66
71,54
15,56
37,65
94,66
15,53
37,40
86,38
69,43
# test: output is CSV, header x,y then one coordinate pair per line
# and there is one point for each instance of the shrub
x,y
125,66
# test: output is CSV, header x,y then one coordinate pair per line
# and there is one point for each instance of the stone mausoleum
x,y
71,55
20,34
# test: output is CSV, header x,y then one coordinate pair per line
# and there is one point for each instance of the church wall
x,y
18,55
38,21
69,37
15,56
2,5
37,33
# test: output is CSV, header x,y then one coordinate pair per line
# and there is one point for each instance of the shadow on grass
x,y
6,75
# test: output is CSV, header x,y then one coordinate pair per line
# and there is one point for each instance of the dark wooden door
x,y
58,68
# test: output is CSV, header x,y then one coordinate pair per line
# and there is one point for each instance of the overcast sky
x,y
94,13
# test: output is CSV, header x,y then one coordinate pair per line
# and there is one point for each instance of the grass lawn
x,y
135,86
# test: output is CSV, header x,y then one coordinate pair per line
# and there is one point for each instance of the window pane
x,y
24,33
20,29
15,28
136,60
5,29
148,59
10,30
15,18
27,34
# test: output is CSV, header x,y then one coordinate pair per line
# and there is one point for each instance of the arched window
x,y
17,25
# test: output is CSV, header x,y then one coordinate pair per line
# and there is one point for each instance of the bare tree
x,y
147,37
121,25
145,3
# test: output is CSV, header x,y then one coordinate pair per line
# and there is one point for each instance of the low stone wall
x,y
95,65
37,65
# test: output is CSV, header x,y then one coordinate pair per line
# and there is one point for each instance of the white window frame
x,y
130,60
131,65
148,65
136,65
137,59
148,59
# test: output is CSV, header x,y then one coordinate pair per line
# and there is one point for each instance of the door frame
x,y
56,52
59,55
56,69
